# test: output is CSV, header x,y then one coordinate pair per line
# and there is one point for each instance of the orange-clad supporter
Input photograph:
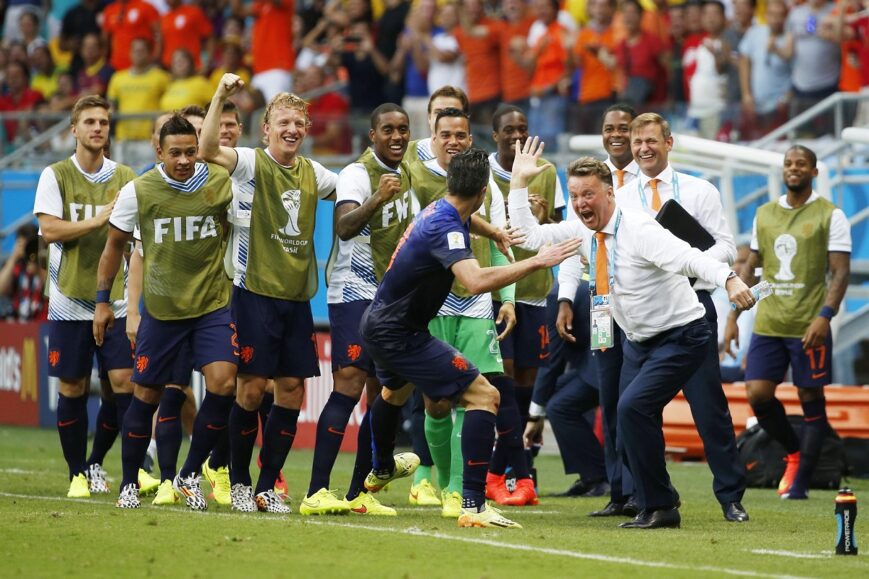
x,y
274,55
479,39
835,28
515,80
184,26
595,56
547,58
123,22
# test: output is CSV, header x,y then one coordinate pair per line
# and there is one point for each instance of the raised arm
x,y
210,148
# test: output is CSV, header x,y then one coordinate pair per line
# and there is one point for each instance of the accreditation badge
x,y
601,322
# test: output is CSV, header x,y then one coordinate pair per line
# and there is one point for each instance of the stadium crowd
x,y
728,70
434,302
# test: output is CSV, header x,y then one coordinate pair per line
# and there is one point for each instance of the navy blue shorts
x,y
768,358
276,336
347,347
436,369
164,346
71,349
182,370
527,345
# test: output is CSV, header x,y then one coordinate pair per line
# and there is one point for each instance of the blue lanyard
x,y
676,195
611,257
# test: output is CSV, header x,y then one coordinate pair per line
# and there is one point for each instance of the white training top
x,y
49,201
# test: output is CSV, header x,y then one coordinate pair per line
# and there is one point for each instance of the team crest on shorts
x,y
142,363
354,351
460,363
246,354
54,358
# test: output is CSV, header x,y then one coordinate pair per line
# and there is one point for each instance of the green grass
x,y
43,534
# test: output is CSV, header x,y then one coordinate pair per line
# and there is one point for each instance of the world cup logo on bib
x,y
785,248
292,202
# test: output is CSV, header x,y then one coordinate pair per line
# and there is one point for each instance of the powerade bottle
x,y
846,515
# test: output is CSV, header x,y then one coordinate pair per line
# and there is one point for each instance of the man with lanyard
x,y
616,135
372,210
525,349
275,279
638,272
651,142
180,207
796,239
434,252
74,199
466,322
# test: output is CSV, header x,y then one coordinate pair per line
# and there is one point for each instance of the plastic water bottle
x,y
759,291
846,516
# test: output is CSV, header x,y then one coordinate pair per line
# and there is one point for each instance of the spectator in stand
x,y
706,62
678,34
28,26
65,96
272,50
125,21
642,59
365,67
231,60
842,26
446,63
743,18
92,72
137,89
412,60
43,73
547,59
385,35
12,23
515,80
479,41
814,59
595,56
187,87
693,17
657,21
765,73
79,21
330,128
185,26
19,97
22,277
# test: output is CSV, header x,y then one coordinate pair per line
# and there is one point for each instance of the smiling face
x,y
439,104
91,129
390,137
798,171
616,134
453,136
514,127
592,199
651,149
230,130
178,155
285,131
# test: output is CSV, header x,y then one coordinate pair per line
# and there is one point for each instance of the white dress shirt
x,y
571,269
651,293
699,198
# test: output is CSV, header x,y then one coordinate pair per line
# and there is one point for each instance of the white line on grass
x,y
416,532
792,554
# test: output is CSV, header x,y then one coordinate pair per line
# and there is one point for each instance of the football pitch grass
x,y
44,534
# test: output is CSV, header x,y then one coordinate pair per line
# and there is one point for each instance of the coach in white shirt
x,y
657,183
650,298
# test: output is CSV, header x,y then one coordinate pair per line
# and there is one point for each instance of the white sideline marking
x,y
792,554
20,471
416,532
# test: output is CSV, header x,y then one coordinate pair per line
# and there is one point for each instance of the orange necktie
x,y
601,271
620,176
656,198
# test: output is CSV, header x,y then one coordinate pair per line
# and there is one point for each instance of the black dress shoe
x,y
597,489
659,519
734,512
577,489
610,510
631,508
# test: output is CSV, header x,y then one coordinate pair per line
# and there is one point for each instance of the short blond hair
x,y
286,100
651,119
588,167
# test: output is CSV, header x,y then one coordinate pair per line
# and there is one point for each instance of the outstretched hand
x,y
525,163
552,255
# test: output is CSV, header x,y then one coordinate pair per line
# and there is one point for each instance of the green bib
x,y
83,199
793,244
389,222
184,238
281,261
429,187
534,286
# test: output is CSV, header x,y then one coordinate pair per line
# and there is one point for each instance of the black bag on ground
x,y
857,455
764,461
